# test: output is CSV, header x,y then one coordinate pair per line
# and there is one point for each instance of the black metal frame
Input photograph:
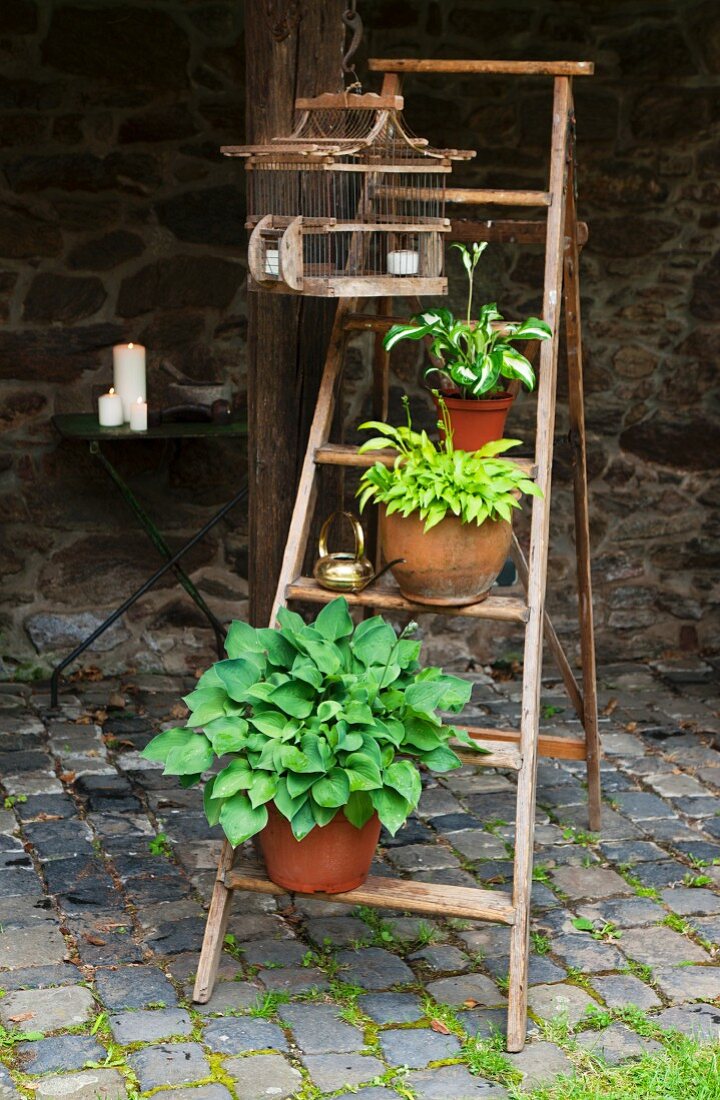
x,y
172,563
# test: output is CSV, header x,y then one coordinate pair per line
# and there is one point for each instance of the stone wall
x,y
118,220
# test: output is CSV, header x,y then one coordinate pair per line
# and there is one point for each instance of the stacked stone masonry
x,y
119,220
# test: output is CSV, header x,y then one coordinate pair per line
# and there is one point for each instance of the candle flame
x,y
112,389
131,345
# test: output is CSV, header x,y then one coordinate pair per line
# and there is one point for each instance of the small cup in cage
x,y
403,261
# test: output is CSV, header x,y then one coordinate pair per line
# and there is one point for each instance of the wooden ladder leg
x,y
215,928
380,397
576,404
306,497
539,536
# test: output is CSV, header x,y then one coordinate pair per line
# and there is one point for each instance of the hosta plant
x,y
477,357
318,719
434,480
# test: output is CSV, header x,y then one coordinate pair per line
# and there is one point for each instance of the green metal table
x,y
85,427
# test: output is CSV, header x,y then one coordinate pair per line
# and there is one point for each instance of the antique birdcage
x,y
349,204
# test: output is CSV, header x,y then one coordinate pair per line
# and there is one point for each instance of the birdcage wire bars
x,y
350,203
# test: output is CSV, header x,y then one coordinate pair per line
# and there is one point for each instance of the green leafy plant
x,y
599,930
433,479
160,845
477,356
317,719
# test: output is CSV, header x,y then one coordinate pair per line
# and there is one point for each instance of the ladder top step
x,y
392,893
385,594
510,68
344,454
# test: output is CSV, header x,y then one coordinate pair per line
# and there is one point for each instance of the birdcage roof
x,y
364,127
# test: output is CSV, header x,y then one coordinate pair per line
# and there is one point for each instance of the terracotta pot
x,y
331,859
453,564
477,422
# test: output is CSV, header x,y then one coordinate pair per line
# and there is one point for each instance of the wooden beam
x,y
465,902
290,51
507,231
386,594
549,744
509,68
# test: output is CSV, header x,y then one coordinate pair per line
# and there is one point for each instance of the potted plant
x,y
322,729
446,513
480,368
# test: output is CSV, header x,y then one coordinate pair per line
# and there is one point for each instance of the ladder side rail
x,y
576,405
215,928
301,520
539,536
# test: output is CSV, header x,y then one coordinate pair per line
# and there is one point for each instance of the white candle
x,y
403,261
110,410
129,374
138,415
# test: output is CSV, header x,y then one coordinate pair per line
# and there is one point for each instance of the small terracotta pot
x,y
331,859
476,422
453,564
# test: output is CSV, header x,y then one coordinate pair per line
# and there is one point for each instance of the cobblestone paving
x,y
105,866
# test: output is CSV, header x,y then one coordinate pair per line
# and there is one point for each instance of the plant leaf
x,y
334,620
240,819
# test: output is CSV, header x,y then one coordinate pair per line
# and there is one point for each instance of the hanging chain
x,y
353,22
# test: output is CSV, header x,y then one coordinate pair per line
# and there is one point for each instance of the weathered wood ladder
x,y
563,236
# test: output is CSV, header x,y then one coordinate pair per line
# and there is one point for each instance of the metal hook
x,y
354,23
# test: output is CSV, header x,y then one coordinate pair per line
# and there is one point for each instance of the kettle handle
x,y
357,532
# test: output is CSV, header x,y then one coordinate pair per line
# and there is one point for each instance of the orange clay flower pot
x,y
331,859
478,421
453,564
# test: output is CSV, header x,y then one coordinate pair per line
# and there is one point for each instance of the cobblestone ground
x,y
106,866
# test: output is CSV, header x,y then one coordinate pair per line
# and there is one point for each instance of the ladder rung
x,y
549,744
369,322
392,893
498,756
470,196
344,454
505,609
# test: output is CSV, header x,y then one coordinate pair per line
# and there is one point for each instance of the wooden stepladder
x,y
517,750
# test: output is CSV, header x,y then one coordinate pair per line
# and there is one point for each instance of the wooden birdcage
x,y
349,204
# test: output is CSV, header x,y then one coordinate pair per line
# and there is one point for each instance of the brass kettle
x,y
342,571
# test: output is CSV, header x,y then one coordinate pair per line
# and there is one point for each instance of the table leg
x,y
174,559
159,542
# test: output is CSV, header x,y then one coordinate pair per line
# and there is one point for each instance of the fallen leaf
x,y
439,1026
94,940
116,699
23,1016
471,1003
67,777
610,707
631,727
179,710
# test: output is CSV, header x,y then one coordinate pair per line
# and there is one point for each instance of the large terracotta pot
x,y
331,859
477,422
453,564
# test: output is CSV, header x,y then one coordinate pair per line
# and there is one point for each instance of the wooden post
x,y
291,50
